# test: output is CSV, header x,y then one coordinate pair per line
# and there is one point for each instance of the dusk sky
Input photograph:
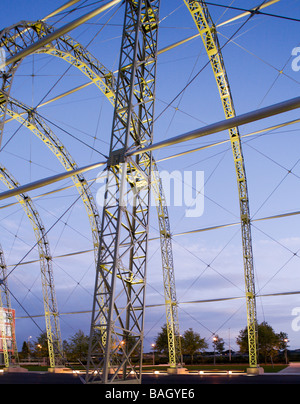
x,y
262,68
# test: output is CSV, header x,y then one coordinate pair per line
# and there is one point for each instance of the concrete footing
x,y
177,371
255,371
58,370
15,369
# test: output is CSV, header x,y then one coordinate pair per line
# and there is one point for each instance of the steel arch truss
x,y
49,298
10,356
24,115
72,52
208,32
121,270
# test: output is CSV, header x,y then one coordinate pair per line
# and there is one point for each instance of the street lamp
x,y
285,353
153,346
215,339
28,346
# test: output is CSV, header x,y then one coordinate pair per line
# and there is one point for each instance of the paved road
x,y
222,379
161,379
293,368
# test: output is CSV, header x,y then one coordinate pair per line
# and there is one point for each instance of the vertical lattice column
x,y
116,346
207,30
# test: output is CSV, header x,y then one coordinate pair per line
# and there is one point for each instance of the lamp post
x,y
153,346
28,346
285,352
215,339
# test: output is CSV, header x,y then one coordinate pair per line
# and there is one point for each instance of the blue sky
x,y
259,67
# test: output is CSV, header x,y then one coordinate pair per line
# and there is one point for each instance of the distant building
x,y
7,331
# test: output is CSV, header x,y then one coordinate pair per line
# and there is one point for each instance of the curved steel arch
x,y
50,305
75,54
23,34
24,115
208,32
12,358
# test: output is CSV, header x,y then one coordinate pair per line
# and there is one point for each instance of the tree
x,y
218,344
192,343
24,354
40,349
161,341
269,343
78,346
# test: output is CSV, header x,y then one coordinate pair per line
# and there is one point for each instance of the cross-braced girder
x,y
121,272
10,355
49,297
207,30
22,35
72,52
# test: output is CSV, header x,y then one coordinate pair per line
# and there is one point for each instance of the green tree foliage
x,y
77,346
161,341
218,344
192,343
269,343
40,346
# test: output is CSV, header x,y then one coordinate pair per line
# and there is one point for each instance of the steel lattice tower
x,y
115,351
208,32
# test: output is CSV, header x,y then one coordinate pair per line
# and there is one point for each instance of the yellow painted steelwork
x,y
72,52
207,30
8,358
50,305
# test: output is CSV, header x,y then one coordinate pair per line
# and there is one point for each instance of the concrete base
x,y
255,371
177,371
58,370
15,369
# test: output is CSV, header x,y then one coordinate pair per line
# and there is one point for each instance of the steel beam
x,y
225,124
48,180
121,274
58,33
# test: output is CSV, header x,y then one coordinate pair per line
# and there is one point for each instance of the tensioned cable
x,y
228,140
42,331
72,64
150,306
65,223
194,231
274,190
209,265
289,171
46,232
253,12
274,82
53,88
66,13
202,69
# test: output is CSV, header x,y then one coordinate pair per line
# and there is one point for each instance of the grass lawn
x,y
238,367
149,368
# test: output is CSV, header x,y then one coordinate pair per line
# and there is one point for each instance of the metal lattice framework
x,y
10,358
119,300
24,115
49,298
121,270
208,32
75,54
22,35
